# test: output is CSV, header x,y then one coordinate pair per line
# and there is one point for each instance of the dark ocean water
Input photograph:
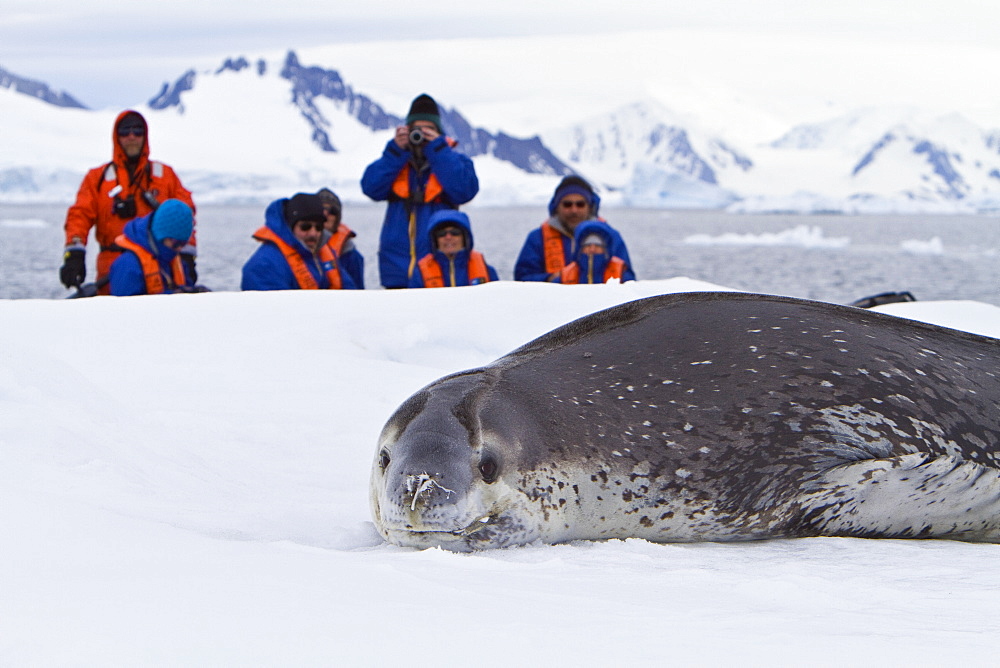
x,y
826,257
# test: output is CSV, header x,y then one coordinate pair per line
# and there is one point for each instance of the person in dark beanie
x,y
128,187
149,262
292,254
551,247
340,239
419,173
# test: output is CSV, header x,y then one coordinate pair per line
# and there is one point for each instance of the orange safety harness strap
x,y
401,187
339,238
570,274
151,267
430,270
298,265
552,244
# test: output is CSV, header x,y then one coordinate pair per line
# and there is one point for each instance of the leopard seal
x,y
703,417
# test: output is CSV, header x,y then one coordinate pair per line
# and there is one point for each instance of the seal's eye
x,y
488,468
384,459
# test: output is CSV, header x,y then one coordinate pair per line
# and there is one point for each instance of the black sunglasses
x,y
125,132
306,225
448,231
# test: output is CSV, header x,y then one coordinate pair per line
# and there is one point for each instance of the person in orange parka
x,y
128,187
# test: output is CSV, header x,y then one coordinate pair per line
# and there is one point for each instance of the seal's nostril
x,y
418,484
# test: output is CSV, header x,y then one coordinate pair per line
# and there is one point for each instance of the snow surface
x,y
184,481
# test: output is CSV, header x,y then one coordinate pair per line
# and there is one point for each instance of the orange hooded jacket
x,y
95,201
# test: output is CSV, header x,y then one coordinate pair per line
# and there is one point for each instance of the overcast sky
x,y
117,53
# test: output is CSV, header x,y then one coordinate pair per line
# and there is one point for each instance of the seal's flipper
x,y
909,496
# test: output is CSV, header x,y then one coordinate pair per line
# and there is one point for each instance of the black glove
x,y
189,289
74,269
187,259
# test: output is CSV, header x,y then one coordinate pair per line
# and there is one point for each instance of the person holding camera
x,y
128,187
419,173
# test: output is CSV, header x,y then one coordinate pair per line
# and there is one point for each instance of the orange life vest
x,y
151,271
401,186
337,241
552,244
433,192
430,270
615,269
298,266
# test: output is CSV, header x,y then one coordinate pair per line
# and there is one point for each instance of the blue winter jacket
x,y
397,250
126,274
267,268
457,266
592,267
530,265
352,263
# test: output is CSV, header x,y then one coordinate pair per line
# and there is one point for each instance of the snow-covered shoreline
x,y
184,481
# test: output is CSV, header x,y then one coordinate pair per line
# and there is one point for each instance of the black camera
x,y
417,137
124,208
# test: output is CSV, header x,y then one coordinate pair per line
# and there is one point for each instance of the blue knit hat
x,y
172,220
574,185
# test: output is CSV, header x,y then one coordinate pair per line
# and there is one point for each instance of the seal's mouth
x,y
477,525
461,540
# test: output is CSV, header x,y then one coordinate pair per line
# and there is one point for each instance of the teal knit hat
x,y
172,220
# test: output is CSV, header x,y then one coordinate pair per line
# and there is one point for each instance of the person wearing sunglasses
x,y
130,186
418,174
453,262
550,248
150,262
293,254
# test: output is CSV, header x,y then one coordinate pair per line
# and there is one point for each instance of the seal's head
x,y
441,478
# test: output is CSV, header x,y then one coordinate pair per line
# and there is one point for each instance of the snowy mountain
x,y
252,129
930,160
38,89
310,84
653,156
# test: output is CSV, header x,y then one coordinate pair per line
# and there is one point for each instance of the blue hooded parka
x,y
593,266
457,266
126,275
267,268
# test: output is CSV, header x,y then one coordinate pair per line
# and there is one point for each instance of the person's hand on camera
x,y
429,132
403,133
402,137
